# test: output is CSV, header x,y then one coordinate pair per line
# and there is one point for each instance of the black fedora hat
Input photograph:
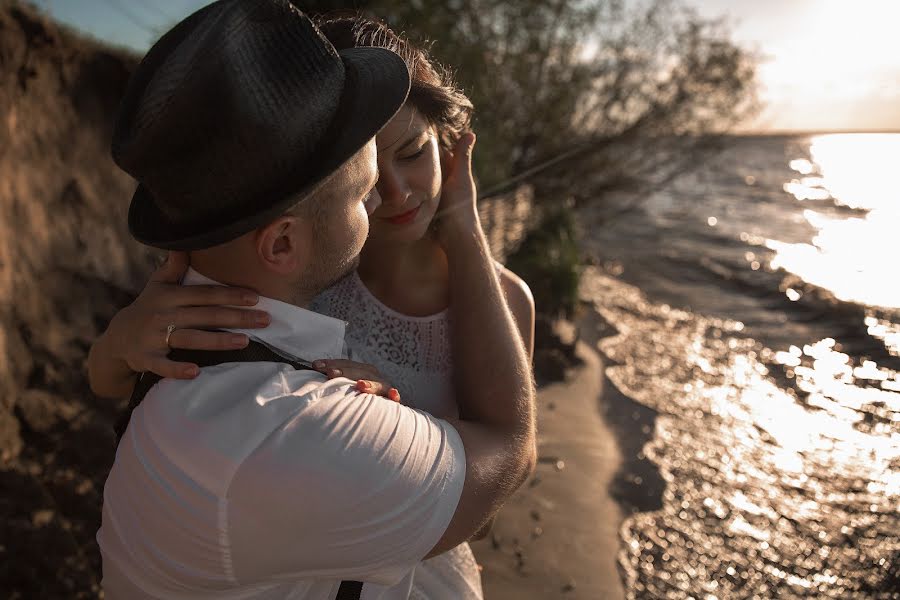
x,y
237,112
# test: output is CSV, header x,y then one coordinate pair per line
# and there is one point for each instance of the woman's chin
x,y
400,234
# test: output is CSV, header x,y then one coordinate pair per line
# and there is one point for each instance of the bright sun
x,y
844,48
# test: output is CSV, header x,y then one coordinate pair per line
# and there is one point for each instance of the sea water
x,y
753,309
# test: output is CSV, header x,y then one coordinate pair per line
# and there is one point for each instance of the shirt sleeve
x,y
350,486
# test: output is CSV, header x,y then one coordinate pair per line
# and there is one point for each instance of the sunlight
x,y
860,170
851,256
838,69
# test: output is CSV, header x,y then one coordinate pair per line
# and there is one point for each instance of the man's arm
x,y
491,368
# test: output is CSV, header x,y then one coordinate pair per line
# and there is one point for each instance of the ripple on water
x,y
782,468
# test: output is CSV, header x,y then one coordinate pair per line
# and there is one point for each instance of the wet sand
x,y
558,536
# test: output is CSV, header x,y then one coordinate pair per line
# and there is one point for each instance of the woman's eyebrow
x,y
411,140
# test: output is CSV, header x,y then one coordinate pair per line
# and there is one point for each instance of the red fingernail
x,y
394,395
362,385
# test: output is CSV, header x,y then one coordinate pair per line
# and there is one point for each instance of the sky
x,y
827,65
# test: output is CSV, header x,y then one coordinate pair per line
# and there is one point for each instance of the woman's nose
x,y
392,188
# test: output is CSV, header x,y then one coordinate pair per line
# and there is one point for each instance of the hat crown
x,y
229,104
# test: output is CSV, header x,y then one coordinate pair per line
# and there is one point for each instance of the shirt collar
x,y
303,334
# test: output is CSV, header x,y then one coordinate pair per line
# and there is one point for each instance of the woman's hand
x,y
457,214
137,334
368,379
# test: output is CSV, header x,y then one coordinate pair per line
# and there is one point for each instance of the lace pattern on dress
x,y
413,353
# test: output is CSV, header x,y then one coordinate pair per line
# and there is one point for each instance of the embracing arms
x,y
134,340
492,366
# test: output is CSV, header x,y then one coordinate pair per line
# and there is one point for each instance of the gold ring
x,y
169,331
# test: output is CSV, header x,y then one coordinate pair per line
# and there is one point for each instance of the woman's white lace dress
x,y
413,353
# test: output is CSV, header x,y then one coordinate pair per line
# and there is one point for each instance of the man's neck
x,y
263,286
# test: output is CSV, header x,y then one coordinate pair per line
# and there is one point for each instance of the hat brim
x,y
375,87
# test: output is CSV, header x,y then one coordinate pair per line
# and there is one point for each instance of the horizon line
x,y
795,132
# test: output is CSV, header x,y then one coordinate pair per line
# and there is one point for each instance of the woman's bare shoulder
x,y
518,294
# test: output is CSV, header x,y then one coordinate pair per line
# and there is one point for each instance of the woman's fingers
x,y
462,156
187,339
378,388
194,339
368,379
211,295
175,370
459,161
457,213
213,317
139,332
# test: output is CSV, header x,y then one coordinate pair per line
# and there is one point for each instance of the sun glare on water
x,y
855,254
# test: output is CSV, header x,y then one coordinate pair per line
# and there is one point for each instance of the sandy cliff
x,y
66,262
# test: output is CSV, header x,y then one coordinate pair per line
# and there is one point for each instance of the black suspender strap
x,y
349,590
254,352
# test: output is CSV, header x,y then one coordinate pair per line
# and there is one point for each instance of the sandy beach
x,y
558,536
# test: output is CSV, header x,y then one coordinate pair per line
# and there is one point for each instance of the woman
x,y
397,303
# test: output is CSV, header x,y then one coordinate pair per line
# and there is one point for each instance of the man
x,y
252,140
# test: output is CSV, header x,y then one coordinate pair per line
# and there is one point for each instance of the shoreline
x,y
558,536
638,485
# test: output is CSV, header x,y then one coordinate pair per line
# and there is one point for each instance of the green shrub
x,y
549,260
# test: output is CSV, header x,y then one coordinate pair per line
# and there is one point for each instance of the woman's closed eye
x,y
416,154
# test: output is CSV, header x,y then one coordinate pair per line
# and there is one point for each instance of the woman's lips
x,y
404,218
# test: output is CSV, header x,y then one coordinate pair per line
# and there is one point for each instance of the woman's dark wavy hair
x,y
433,91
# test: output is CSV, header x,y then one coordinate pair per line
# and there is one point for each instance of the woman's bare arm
x,y
491,372
521,305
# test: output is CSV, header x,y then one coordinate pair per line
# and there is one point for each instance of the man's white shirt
x,y
255,480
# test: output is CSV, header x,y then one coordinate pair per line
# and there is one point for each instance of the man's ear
x,y
284,246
